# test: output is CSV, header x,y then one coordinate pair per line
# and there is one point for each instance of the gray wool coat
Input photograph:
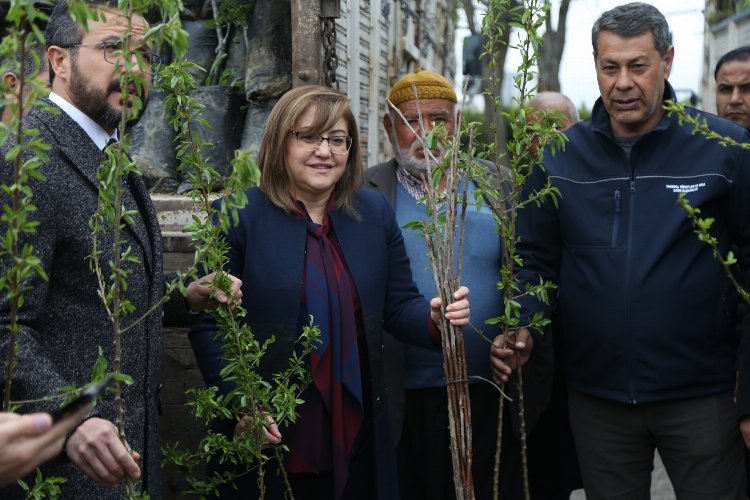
x,y
63,321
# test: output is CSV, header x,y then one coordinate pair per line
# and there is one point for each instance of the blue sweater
x,y
480,271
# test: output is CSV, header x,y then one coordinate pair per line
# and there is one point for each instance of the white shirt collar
x,y
92,129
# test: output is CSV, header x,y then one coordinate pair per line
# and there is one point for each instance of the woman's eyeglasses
x,y
337,144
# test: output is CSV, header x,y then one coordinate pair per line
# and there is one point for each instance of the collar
x,y
415,187
600,119
92,129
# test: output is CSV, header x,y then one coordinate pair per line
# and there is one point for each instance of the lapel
x,y
383,180
356,240
146,229
85,158
270,246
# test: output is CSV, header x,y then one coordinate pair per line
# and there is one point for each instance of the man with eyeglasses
x,y
63,321
425,99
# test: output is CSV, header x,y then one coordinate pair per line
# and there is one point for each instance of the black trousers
x,y
424,460
553,463
698,440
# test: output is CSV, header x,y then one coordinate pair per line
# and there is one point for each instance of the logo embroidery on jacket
x,y
685,188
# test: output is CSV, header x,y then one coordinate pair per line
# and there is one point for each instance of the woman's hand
x,y
457,312
199,293
272,433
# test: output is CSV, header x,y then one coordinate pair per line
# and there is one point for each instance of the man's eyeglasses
x,y
337,144
148,62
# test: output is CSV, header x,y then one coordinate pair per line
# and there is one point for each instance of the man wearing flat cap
x,y
421,410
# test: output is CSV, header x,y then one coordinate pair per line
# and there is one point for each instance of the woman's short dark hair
x,y
330,107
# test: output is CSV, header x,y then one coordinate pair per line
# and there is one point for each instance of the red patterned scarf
x,y
335,364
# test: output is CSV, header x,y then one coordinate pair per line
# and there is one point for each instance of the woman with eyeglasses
x,y
310,243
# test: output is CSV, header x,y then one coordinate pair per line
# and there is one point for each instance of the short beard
x,y
418,167
93,102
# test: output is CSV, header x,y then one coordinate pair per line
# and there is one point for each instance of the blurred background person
x,y
557,107
732,75
553,463
35,66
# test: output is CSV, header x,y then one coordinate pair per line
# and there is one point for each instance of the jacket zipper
x,y
616,221
629,324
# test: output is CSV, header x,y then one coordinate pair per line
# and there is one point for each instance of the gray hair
x,y
634,19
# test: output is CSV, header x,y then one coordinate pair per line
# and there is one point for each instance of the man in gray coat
x,y
63,321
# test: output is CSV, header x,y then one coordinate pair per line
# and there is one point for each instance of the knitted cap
x,y
430,85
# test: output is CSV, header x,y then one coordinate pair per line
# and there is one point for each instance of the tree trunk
x,y
468,6
550,52
495,118
495,128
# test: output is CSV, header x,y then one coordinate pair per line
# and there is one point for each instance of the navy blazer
x,y
267,251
